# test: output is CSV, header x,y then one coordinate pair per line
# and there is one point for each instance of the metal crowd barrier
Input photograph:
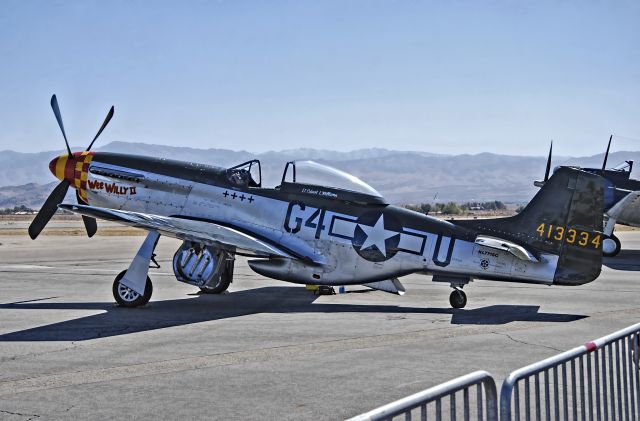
x,y
432,403
596,381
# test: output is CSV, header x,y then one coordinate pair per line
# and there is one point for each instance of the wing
x,y
208,233
627,210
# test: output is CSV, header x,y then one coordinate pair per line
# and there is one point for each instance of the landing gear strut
x,y
132,287
611,244
458,299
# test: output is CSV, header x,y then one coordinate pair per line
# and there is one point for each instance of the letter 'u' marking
x,y
436,251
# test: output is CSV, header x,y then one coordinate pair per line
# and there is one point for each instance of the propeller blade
x,y
48,209
56,111
546,173
606,155
104,124
90,223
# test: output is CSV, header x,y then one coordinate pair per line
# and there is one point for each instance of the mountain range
x,y
401,176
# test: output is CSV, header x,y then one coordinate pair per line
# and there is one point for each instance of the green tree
x,y
452,208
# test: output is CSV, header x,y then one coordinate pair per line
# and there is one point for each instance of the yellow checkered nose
x,y
74,169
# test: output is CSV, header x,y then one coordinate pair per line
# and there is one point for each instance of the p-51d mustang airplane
x,y
321,226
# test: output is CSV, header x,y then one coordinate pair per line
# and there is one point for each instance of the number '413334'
x,y
570,235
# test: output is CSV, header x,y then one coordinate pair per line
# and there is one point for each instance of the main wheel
x,y
458,299
611,246
126,297
224,280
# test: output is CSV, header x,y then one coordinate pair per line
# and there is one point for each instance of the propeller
x,y
104,124
48,209
606,155
59,192
56,111
548,169
90,223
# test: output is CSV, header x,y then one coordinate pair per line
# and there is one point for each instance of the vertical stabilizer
x,y
564,218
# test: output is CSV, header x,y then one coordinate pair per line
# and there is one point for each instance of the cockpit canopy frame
x,y
309,177
242,175
625,166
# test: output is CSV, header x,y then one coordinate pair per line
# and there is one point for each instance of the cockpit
x,y
626,166
308,178
311,173
247,174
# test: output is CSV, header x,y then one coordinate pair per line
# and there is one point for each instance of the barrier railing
x,y
596,381
432,403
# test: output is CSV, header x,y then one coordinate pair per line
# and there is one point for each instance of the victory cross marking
x,y
377,235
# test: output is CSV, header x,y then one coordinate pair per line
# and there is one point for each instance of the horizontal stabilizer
x,y
390,285
627,211
498,244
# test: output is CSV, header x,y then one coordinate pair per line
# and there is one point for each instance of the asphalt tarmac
x,y
266,349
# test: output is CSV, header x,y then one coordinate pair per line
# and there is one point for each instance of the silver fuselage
x,y
323,233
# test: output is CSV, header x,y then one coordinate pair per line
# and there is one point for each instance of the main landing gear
x,y
224,280
132,287
208,268
458,299
126,297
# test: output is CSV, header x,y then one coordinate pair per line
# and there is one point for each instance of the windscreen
x,y
625,166
309,172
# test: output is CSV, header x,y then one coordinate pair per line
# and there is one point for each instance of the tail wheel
x,y
126,297
458,299
224,280
611,246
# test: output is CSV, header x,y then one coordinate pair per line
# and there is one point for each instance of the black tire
x,y
458,299
618,246
126,297
224,280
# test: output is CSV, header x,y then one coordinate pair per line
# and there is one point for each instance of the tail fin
x,y
564,218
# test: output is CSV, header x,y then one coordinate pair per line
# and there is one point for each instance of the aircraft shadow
x,y
627,260
115,321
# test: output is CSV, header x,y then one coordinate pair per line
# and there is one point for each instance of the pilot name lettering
x,y
112,188
319,192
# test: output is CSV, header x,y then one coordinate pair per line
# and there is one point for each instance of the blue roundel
x,y
377,236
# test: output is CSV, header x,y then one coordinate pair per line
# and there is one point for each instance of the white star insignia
x,y
377,235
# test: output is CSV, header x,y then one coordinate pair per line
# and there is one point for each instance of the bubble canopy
x,y
315,174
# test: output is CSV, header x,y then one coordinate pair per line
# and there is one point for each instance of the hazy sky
x,y
440,76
